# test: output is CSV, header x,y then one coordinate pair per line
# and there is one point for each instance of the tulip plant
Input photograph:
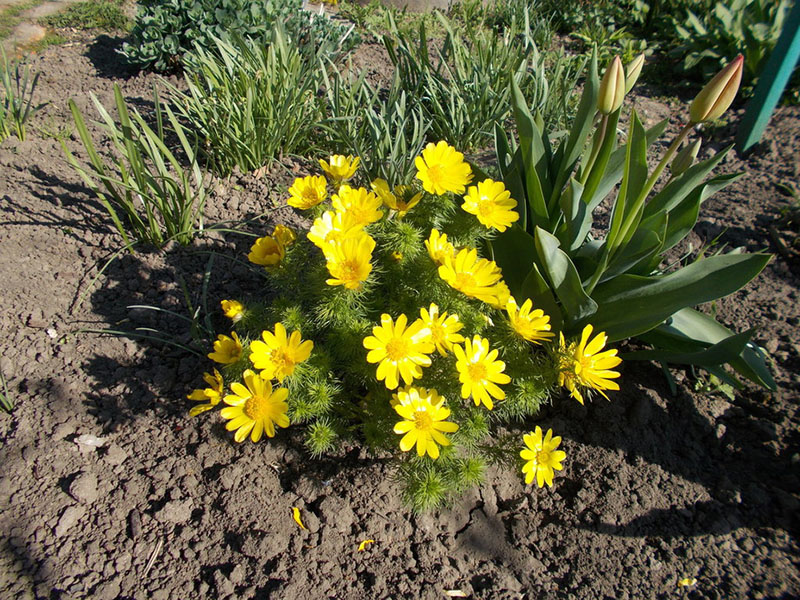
x,y
618,276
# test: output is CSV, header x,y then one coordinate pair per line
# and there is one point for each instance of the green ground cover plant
x,y
165,30
100,14
16,104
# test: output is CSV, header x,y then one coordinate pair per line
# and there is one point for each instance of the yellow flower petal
x,y
296,517
364,544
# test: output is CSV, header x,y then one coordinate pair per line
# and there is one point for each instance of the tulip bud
x,y
685,158
717,96
612,88
633,71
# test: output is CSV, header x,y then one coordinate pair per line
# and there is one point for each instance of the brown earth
x,y
656,487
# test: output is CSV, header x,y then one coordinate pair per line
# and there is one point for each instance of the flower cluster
x,y
418,342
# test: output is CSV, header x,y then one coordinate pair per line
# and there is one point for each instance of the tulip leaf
x,y
720,353
536,288
633,181
514,252
644,245
577,220
563,277
534,158
688,328
630,305
600,165
582,125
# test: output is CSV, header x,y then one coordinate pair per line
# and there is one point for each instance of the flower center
x,y
422,421
349,270
256,407
311,195
477,371
281,359
439,334
485,206
464,281
397,349
543,458
435,174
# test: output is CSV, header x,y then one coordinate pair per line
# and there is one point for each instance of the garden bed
x,y
656,487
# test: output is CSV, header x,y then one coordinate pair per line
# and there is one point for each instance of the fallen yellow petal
x,y
455,594
296,517
363,544
687,581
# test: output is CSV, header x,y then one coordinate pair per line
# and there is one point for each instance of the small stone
x,y
116,455
237,575
70,516
84,487
135,522
224,585
176,512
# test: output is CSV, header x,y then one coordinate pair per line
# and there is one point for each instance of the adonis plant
x,y
389,328
624,273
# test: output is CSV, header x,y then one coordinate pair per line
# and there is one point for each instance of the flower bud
x,y
612,88
716,97
633,71
685,158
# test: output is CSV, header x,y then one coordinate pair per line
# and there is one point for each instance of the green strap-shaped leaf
x,y
633,181
718,354
600,165
514,252
630,305
563,277
680,187
536,288
577,219
689,327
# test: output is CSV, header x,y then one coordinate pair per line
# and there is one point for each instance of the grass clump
x,y
100,14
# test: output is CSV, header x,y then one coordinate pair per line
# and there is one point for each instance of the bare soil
x,y
656,487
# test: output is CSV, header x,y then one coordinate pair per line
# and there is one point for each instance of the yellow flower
x,y
278,355
211,395
533,326
442,169
473,276
307,192
255,409
233,309
348,261
267,251
399,350
332,227
361,205
227,350
501,295
439,249
444,329
479,371
542,457
340,168
492,203
584,364
423,423
402,200
283,235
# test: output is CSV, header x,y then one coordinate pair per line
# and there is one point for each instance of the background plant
x,y
165,30
16,106
98,14
251,102
624,281
148,191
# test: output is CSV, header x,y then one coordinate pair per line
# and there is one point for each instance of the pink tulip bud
x,y
717,96
612,88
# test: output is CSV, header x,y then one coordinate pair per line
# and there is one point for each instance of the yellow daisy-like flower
x,y
283,235
400,351
267,251
402,200
444,329
442,169
278,355
349,261
533,326
542,457
472,276
227,350
423,423
210,395
233,309
361,205
583,364
501,295
307,192
255,408
439,249
340,168
492,203
479,371
330,228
